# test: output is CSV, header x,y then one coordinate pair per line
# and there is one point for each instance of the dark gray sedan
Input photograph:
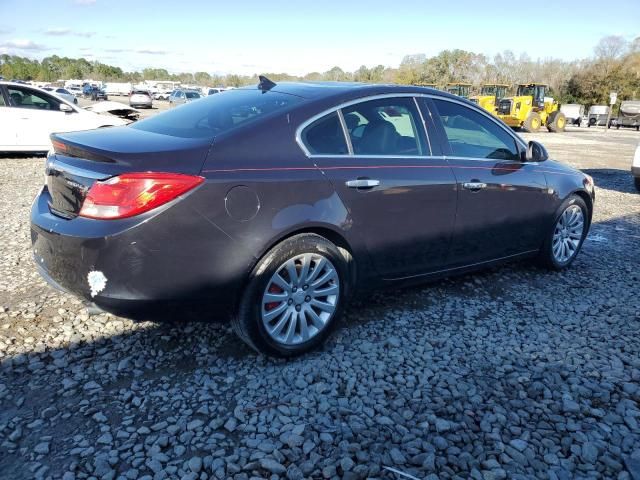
x,y
276,202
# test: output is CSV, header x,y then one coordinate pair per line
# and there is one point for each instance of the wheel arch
x,y
326,231
587,200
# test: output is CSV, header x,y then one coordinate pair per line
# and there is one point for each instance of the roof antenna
x,y
265,84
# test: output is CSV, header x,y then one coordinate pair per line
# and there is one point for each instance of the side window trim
x,y
427,96
345,133
447,151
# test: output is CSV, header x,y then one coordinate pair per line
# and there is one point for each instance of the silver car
x,y
63,93
140,98
179,97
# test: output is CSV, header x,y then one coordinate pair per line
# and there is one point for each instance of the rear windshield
x,y
217,114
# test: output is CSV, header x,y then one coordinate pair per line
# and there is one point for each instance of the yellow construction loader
x,y
459,89
531,108
490,95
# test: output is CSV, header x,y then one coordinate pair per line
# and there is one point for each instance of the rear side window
x,y
27,98
217,114
471,134
389,126
325,136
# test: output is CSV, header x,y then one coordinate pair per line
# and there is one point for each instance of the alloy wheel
x,y
300,299
567,234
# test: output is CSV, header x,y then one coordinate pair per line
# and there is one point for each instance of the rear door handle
x,y
474,186
362,183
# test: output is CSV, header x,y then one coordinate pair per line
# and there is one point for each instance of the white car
x,y
63,93
635,168
28,115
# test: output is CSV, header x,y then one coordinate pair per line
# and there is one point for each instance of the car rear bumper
x,y
130,265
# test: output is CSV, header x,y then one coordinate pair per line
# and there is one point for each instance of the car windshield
x,y
192,94
217,114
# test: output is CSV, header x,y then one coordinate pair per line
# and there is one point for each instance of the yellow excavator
x,y
459,89
531,108
490,95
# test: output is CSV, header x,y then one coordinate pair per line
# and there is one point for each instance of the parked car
x,y
211,91
635,168
573,112
140,98
98,94
598,115
179,97
161,95
76,91
289,197
87,90
63,93
28,116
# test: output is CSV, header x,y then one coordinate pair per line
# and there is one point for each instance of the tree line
x,y
614,66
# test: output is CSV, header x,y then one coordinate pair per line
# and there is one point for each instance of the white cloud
x,y
5,29
60,32
151,51
23,45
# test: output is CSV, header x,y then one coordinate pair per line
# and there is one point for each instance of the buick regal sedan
x,y
280,201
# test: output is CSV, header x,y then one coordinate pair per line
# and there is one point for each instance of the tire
x,y
252,320
556,122
532,123
636,181
551,256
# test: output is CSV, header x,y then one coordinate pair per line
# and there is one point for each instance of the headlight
x,y
588,182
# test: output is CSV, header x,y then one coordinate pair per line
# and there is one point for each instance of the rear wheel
x,y
294,297
565,239
532,123
557,121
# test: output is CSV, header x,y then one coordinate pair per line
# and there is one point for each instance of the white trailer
x,y
118,88
573,112
598,115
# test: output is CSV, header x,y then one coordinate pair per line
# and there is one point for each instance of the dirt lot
x,y
513,372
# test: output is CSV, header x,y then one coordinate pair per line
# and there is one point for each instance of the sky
x,y
298,37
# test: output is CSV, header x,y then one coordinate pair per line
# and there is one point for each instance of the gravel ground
x,y
509,373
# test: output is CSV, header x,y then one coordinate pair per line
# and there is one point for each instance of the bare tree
x,y
610,48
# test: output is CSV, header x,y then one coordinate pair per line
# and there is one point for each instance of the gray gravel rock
x,y
509,373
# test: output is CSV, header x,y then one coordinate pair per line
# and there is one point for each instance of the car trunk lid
x,y
82,158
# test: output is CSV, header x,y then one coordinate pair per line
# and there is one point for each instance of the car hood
x,y
118,109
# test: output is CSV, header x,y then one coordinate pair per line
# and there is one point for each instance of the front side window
x,y
217,114
325,136
192,94
389,126
27,98
471,134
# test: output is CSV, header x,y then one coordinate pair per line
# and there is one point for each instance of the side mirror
x,y
65,108
535,152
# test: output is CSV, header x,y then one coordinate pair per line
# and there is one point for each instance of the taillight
x,y
131,194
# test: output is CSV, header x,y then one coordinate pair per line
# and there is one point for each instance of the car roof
x,y
350,90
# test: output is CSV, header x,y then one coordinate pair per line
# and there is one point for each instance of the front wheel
x,y
294,297
570,228
557,121
532,123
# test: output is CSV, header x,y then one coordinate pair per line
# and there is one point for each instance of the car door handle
x,y
362,183
474,186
